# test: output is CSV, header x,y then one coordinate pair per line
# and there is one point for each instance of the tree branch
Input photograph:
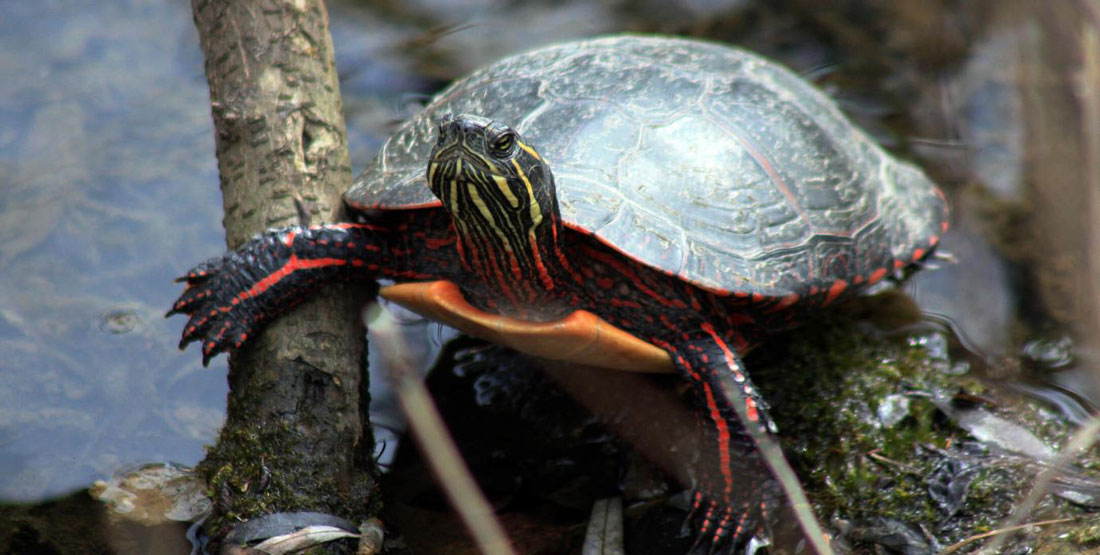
x,y
296,436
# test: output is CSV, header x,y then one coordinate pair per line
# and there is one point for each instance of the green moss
x,y
259,469
1086,536
827,383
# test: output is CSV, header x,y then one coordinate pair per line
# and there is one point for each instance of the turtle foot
x,y
722,528
229,297
221,314
232,296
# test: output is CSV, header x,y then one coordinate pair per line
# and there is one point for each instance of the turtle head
x,y
501,197
490,179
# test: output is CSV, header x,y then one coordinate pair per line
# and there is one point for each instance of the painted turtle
x,y
701,197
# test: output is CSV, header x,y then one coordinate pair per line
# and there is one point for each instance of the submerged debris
x,y
154,494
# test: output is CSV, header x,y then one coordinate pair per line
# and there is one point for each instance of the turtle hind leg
x,y
736,495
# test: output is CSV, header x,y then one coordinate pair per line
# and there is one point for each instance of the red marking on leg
x,y
731,359
723,441
877,275
784,302
750,409
695,304
666,323
696,500
933,240
617,302
740,528
835,290
898,264
350,225
673,352
918,254
435,243
708,518
221,332
293,265
723,525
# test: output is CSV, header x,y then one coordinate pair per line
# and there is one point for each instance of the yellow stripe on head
x,y
506,190
536,213
488,163
479,202
454,198
529,150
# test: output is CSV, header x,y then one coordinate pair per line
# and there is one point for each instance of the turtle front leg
x,y
736,494
228,298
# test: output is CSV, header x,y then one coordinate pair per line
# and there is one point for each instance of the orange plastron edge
x,y
581,337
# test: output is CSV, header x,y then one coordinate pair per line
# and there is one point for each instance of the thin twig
x,y
874,455
957,546
433,439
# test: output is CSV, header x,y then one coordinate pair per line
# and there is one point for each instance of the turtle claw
x,y
219,320
721,528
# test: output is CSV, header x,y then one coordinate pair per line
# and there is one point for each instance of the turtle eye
x,y
503,145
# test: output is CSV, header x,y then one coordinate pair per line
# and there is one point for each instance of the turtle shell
x,y
701,160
